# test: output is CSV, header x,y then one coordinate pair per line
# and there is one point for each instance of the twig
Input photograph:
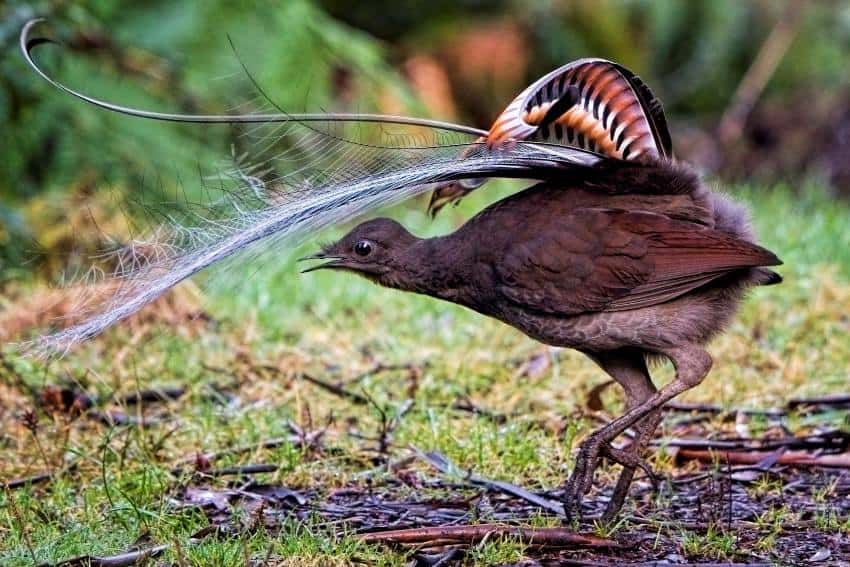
x,y
465,405
38,478
120,560
132,557
445,466
793,458
545,537
29,480
838,400
834,441
74,403
337,390
298,438
153,395
810,405
379,368
241,470
117,418
388,426
710,408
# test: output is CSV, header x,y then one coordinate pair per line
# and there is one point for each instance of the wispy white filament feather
x,y
304,179
293,219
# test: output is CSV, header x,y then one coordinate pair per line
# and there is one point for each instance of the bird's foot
x,y
587,461
581,480
629,459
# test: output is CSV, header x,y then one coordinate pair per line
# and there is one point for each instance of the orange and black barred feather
x,y
591,104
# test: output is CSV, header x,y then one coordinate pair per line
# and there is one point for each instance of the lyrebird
x,y
620,252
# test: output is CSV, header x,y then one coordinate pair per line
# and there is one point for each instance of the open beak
x,y
334,261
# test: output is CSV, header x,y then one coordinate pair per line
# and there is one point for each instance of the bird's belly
x,y
596,331
693,319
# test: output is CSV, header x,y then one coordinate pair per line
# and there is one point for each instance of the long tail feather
x,y
317,208
28,45
303,179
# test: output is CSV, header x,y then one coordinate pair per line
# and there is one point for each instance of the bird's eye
x,y
363,248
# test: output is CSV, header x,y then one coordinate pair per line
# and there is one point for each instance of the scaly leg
x,y
692,364
645,431
629,369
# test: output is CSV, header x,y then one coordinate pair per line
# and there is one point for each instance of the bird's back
x,y
667,189
620,238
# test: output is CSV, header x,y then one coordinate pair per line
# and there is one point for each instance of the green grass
x,y
268,329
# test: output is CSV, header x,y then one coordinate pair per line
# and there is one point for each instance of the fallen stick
x,y
121,560
37,478
810,405
30,480
299,438
792,458
465,405
834,441
153,395
240,470
548,537
379,368
833,401
712,408
119,418
445,466
337,390
128,558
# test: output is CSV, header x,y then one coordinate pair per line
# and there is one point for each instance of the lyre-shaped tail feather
x,y
608,110
592,104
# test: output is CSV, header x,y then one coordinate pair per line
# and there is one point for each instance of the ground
x,y
345,393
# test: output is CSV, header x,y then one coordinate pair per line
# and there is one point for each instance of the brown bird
x,y
619,253
627,260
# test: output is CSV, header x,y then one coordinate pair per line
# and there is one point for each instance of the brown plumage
x,y
626,261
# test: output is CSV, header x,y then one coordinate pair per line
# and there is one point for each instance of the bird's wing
x,y
607,260
592,104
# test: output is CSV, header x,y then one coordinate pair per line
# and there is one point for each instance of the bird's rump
x,y
614,260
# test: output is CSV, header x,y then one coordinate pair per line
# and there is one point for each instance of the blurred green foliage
x,y
327,54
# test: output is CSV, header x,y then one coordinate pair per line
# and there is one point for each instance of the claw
x,y
581,480
630,459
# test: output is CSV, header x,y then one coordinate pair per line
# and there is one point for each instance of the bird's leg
x,y
692,364
645,431
628,368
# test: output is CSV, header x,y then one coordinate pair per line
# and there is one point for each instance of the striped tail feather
x,y
591,104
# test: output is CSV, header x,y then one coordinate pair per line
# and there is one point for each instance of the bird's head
x,y
376,249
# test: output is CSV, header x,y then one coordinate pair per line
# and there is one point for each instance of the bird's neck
x,y
435,267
